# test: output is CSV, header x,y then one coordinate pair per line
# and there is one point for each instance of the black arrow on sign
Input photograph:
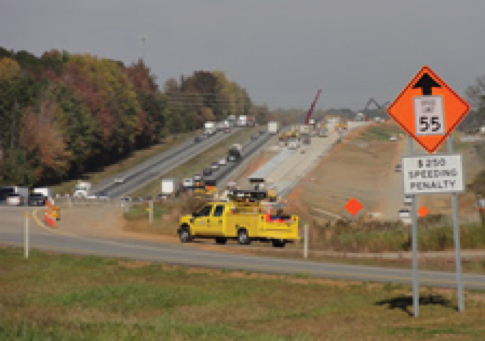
x,y
427,84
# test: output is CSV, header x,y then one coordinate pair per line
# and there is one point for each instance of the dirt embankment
x,y
353,169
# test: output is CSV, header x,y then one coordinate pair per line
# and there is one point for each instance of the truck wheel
x,y
242,237
221,240
185,235
279,242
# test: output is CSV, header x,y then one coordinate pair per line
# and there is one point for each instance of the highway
x,y
164,162
249,149
43,238
65,240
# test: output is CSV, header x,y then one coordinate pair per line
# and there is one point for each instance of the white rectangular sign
x,y
432,174
429,115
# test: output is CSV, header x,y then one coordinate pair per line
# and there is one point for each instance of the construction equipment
x,y
243,217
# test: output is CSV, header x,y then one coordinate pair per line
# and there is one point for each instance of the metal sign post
x,y
414,236
150,213
429,110
26,235
456,238
305,249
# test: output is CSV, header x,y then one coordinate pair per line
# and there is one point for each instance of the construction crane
x,y
373,101
310,111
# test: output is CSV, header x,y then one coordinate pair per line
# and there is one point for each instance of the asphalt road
x,y
157,165
43,238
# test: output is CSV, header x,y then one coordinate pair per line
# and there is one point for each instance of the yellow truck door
x,y
217,220
201,225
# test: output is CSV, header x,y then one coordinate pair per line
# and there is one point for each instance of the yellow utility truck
x,y
242,218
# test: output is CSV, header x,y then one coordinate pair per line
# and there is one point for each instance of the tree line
x,y
64,114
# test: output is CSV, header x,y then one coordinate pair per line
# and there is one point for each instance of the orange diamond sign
x,y
428,109
353,206
423,211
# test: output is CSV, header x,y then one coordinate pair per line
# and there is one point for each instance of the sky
x,y
280,51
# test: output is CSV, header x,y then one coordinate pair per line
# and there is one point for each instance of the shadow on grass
x,y
406,302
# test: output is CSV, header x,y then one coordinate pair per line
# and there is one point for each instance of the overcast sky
x,y
281,51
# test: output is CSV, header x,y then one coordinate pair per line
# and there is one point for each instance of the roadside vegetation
x,y
61,297
379,132
63,114
435,234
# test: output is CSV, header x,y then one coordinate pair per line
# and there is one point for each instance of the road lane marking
x,y
222,263
258,268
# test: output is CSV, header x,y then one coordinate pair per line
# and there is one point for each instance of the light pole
x,y
143,39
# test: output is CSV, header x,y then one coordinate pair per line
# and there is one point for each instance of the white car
x,y
392,138
14,199
119,180
222,162
408,199
188,182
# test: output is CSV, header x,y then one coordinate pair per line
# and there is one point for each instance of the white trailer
x,y
82,189
169,187
273,127
242,121
209,128
45,191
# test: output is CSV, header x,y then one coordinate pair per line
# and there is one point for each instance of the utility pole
x,y
143,39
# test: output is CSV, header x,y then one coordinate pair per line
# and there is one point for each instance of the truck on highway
x,y
82,189
293,143
251,121
232,120
169,187
235,152
45,191
242,218
273,127
242,121
209,128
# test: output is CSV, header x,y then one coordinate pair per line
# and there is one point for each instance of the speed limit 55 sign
x,y
429,116
428,109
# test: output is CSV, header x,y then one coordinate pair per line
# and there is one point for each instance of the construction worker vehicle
x,y
242,217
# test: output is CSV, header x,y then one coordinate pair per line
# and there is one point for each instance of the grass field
x,y
60,297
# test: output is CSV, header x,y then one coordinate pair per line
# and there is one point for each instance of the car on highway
x,y
262,131
207,172
227,130
119,180
222,162
198,139
215,165
37,199
393,138
254,137
404,213
197,177
408,199
188,183
14,199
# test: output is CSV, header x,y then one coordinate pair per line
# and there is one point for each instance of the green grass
x,y
61,297
379,132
